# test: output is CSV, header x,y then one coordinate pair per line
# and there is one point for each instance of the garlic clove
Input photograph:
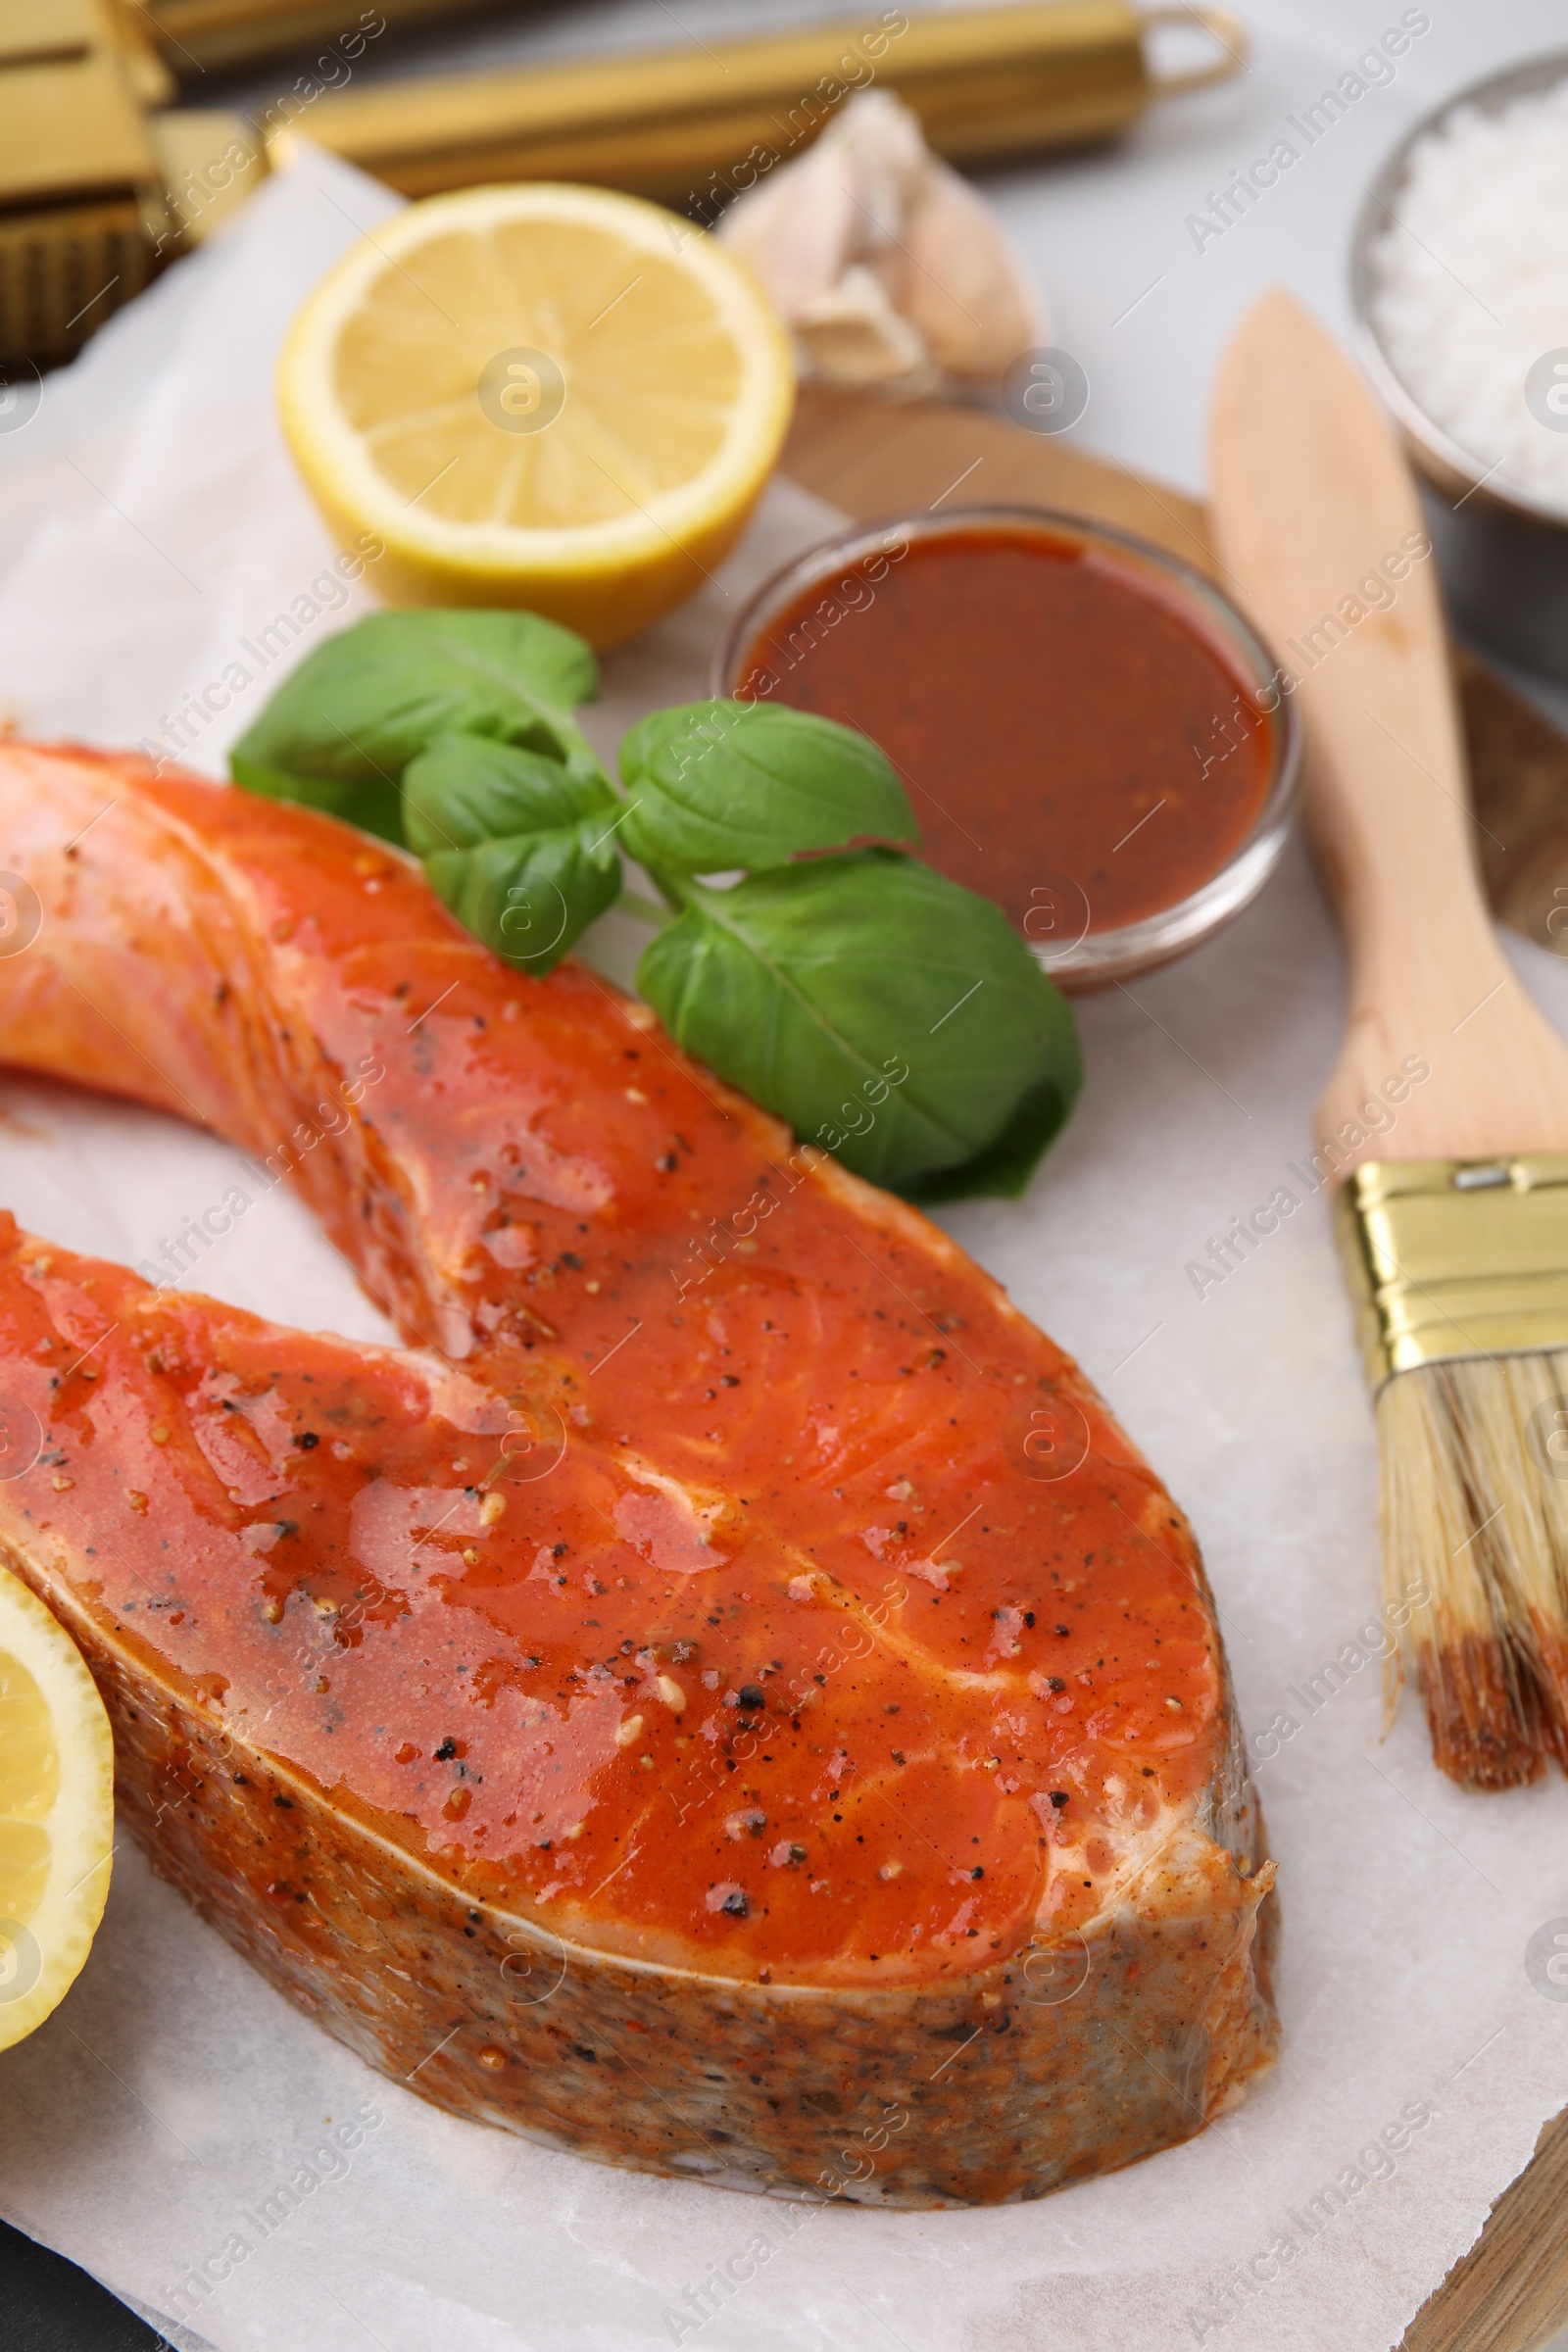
x,y
881,158
799,231
956,279
889,269
853,336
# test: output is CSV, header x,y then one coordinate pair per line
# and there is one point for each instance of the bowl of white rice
x,y
1460,285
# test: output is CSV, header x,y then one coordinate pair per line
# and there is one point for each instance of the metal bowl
x,y
1503,553
1060,923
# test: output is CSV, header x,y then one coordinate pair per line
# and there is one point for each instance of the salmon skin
x,y
726,1698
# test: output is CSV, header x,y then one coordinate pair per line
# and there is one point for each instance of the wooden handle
x,y
1321,535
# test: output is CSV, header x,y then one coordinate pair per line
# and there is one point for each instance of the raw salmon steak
x,y
726,1698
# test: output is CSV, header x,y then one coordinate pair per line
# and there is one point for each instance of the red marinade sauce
x,y
1054,716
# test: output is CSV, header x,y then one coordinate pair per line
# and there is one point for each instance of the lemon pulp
x,y
546,396
56,1810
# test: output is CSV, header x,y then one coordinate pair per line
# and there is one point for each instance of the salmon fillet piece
x,y
726,1698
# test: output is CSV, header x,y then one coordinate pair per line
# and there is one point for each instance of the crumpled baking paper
x,y
182,2132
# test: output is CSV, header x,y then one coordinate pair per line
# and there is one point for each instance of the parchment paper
x,y
174,2107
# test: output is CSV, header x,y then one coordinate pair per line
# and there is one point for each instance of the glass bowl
x,y
1503,553
1058,925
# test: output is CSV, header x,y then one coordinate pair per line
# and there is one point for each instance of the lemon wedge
x,y
541,396
57,1772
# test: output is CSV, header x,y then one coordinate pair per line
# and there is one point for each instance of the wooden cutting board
x,y
876,458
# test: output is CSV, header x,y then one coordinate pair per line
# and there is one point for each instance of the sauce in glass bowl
x,y
1089,733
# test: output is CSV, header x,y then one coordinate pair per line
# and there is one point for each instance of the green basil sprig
x,y
520,848
890,1015
717,785
341,730
807,984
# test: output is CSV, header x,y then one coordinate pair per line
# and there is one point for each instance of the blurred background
x,y
116,107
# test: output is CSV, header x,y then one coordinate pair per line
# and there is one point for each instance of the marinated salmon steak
x,y
726,1698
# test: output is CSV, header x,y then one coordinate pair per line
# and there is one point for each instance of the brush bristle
x,y
1475,1557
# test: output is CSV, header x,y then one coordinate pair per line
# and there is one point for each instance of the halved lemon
x,y
57,1774
541,396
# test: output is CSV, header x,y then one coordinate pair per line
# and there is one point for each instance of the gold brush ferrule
x,y
1448,1258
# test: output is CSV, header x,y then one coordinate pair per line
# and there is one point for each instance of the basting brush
x,y
1451,1196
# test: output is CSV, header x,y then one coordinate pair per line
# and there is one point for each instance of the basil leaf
x,y
365,703
520,848
1003,1168
466,789
375,808
529,897
723,784
886,1013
